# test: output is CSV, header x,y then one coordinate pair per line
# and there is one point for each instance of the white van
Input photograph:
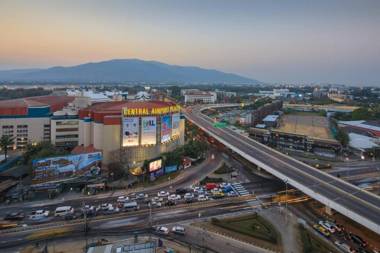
x,y
131,206
63,210
39,214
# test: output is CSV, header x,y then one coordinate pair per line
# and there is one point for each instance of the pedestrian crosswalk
x,y
240,189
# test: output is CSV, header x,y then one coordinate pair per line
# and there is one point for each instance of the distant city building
x,y
319,93
260,113
271,120
276,93
223,94
142,96
93,95
206,97
338,95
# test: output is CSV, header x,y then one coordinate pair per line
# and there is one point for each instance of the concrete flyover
x,y
347,199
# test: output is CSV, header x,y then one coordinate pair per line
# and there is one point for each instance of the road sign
x,y
220,124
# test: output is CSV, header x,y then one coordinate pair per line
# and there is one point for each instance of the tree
x,y
116,170
343,137
5,142
361,114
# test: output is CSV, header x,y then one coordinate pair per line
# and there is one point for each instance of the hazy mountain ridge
x,y
125,70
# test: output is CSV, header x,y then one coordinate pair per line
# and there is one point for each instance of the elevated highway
x,y
349,200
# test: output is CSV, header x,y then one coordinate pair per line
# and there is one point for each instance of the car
x,y
39,214
327,226
131,206
141,195
162,194
358,240
231,194
15,216
122,199
181,191
88,210
174,197
188,197
198,190
69,216
217,195
157,199
344,247
202,198
162,230
104,206
321,230
63,210
178,230
155,204
170,203
111,210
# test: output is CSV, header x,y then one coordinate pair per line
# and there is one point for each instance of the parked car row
x,y
347,242
131,202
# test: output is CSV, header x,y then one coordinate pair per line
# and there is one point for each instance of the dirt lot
x,y
311,125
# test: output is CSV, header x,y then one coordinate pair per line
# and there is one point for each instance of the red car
x,y
210,186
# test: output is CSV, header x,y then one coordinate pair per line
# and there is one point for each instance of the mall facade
x,y
131,132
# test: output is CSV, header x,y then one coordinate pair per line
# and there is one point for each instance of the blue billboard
x,y
166,127
63,167
170,169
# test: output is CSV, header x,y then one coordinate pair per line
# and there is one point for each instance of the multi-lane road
x,y
359,205
129,221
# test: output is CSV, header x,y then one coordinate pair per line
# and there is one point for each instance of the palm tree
x,y
5,141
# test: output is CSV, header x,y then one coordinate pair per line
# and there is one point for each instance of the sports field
x,y
310,125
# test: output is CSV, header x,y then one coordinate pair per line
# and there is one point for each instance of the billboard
x,y
63,167
165,128
148,130
175,124
159,172
155,165
170,169
130,131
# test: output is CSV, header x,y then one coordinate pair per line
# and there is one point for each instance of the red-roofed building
x,y
27,120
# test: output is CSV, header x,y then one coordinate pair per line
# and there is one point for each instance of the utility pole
x,y
85,223
286,200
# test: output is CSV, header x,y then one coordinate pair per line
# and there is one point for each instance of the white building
x,y
206,97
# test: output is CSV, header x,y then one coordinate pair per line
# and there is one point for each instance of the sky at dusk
x,y
335,41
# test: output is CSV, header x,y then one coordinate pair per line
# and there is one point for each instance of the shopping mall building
x,y
131,132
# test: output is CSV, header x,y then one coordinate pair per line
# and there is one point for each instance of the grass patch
x,y
251,225
224,169
312,244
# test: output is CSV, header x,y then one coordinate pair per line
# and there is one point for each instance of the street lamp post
x,y
286,199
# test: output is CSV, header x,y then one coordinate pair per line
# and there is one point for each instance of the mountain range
x,y
125,70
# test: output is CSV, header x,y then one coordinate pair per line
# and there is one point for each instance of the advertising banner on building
x,y
155,165
170,169
159,173
63,167
130,131
148,130
175,124
166,128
